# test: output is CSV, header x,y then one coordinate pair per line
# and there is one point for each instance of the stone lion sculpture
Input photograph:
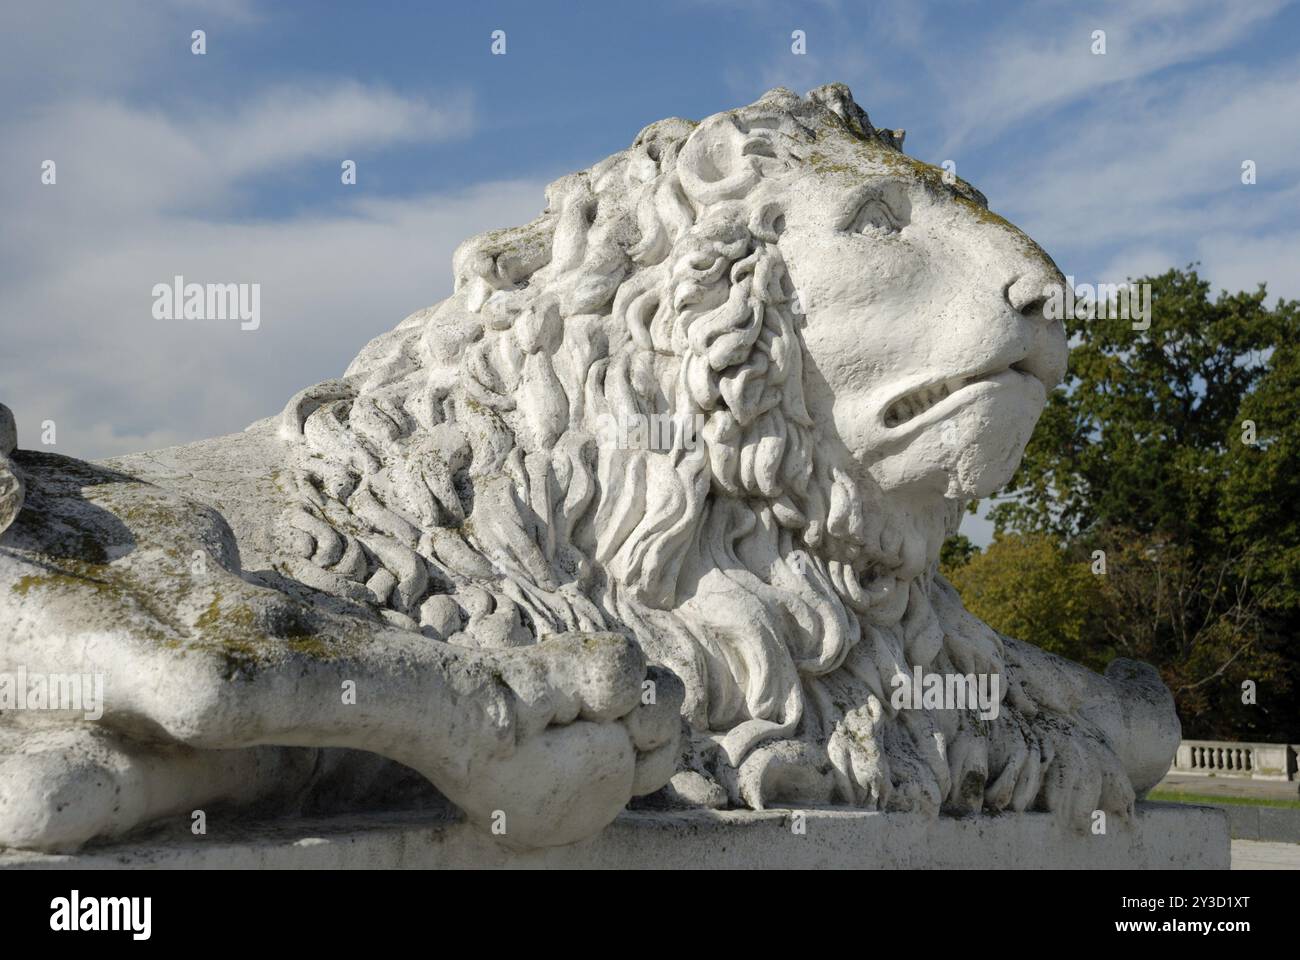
x,y
466,554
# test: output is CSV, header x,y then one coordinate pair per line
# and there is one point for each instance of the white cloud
x,y
290,124
1156,173
83,349
1034,64
116,160
1234,260
1131,262
143,195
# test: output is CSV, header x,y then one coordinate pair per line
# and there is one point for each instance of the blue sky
x,y
226,166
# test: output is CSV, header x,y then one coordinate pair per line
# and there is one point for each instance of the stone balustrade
x,y
1224,758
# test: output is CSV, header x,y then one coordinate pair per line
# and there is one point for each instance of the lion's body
x,y
834,378
463,474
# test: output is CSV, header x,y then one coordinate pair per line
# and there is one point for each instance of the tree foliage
x,y
1029,588
1176,452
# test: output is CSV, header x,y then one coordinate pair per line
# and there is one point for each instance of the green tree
x,y
956,551
1203,620
1146,455
1029,588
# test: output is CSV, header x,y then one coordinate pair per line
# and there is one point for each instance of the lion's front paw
x,y
1085,777
594,728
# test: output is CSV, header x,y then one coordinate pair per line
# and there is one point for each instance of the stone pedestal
x,y
1164,836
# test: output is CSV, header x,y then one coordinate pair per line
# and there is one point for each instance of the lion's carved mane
x,y
459,478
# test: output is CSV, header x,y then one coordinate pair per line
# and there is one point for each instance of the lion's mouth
x,y
919,402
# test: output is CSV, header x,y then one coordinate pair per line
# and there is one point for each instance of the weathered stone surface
x,y
1160,837
11,484
483,534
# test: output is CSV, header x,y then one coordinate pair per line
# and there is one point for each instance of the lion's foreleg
x,y
64,783
557,736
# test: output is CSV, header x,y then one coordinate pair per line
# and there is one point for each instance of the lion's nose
x,y
1030,290
1027,294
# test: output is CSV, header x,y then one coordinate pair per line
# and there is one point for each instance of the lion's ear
x,y
719,161
767,222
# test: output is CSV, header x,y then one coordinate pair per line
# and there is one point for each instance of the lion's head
x,y
856,346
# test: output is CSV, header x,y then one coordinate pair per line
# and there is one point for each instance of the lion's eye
x,y
875,216
879,210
